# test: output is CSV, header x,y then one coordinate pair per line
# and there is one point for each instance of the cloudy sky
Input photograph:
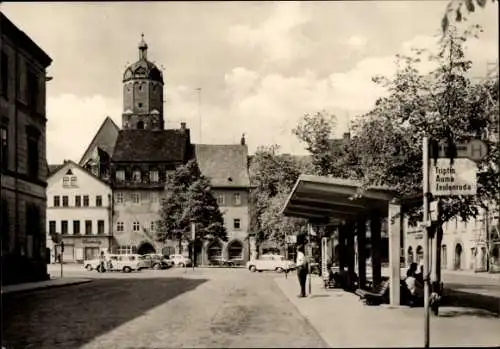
x,y
260,66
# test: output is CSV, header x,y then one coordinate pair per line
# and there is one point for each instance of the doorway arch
x,y
458,256
235,250
214,250
146,248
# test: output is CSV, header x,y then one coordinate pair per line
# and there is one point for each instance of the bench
x,y
376,296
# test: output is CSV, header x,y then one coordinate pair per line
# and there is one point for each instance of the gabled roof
x,y
225,165
151,146
54,168
104,139
71,162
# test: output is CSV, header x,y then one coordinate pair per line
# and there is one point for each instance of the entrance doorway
x,y
146,248
458,257
91,253
410,256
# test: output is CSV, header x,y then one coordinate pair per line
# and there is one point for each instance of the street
x,y
166,308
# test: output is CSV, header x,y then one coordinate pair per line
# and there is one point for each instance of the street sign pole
x,y
193,237
425,167
61,258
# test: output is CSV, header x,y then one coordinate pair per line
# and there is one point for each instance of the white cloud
x,y
73,122
275,37
266,107
356,42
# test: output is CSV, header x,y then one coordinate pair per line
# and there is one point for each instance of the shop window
x,y
235,250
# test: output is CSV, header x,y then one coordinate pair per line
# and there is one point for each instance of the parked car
x,y
220,262
154,261
180,260
270,262
91,264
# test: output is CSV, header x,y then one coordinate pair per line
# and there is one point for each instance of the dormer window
x,y
136,176
154,176
120,175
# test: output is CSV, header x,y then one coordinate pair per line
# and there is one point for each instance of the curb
x,y
40,288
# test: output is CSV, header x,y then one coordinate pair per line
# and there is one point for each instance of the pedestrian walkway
x,y
343,321
30,286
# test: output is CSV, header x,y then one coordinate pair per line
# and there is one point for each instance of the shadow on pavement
x,y
472,300
466,312
72,316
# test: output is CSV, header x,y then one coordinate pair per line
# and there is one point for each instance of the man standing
x,y
301,269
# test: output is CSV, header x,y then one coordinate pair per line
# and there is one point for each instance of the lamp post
x,y
193,239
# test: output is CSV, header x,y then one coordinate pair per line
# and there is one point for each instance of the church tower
x,y
143,94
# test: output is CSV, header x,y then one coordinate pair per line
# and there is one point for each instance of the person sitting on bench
x,y
414,285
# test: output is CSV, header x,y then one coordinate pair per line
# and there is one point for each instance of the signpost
x,y
452,173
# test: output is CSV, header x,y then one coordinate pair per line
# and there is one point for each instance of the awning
x,y
334,199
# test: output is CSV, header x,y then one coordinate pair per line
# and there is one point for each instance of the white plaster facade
x,y
79,208
464,245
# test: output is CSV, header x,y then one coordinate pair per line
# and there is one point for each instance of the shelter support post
x,y
361,234
376,245
342,248
350,229
395,228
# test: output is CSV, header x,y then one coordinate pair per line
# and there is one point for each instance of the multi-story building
x,y
227,168
143,154
465,245
79,209
23,78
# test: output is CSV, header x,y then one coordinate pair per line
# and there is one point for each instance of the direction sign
x,y
474,149
457,179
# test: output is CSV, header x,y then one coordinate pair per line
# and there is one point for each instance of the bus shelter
x,y
321,199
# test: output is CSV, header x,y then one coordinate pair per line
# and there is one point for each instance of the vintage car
x,y
270,262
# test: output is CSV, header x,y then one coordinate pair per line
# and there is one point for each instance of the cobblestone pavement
x,y
158,309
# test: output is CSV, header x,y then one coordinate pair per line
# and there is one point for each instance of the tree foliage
x,y
273,175
442,104
188,198
456,10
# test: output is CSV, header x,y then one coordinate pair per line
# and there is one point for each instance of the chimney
x,y
243,141
183,126
346,136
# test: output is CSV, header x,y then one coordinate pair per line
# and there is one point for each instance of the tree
x,y
443,104
188,198
455,8
316,131
273,175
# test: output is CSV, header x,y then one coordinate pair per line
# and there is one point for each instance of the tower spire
x,y
143,48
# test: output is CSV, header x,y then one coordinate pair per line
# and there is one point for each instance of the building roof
x,y
54,168
72,163
23,40
151,146
225,165
104,139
